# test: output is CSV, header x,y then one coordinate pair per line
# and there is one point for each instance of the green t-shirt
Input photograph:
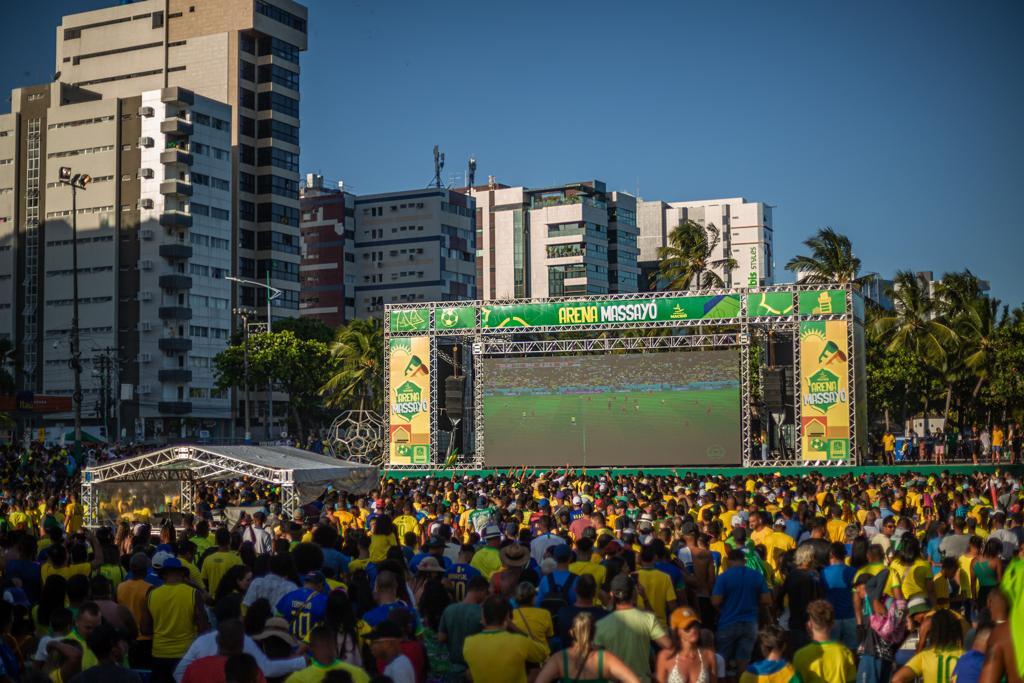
x,y
459,621
627,633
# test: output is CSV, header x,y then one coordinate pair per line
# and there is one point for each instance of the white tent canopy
x,y
302,475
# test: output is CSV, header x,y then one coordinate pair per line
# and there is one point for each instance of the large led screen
x,y
671,408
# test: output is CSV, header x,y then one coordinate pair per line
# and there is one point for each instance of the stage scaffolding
x,y
748,330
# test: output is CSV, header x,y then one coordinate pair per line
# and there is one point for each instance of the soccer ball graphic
x,y
449,317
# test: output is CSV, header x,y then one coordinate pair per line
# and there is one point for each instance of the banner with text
x,y
409,429
565,313
824,390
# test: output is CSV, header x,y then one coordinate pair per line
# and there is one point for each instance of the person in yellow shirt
x,y
777,543
60,561
216,564
773,668
888,448
656,590
407,522
496,654
535,622
822,660
74,513
487,560
836,527
323,646
936,662
173,615
382,539
585,549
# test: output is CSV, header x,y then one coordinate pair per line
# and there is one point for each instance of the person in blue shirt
x,y
968,667
306,607
460,574
434,547
335,561
739,594
561,579
385,594
793,526
837,579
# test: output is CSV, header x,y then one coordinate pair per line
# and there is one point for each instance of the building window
x,y
246,182
246,126
275,101
278,270
273,184
246,210
272,73
246,98
279,158
277,241
247,70
270,212
278,130
278,48
281,16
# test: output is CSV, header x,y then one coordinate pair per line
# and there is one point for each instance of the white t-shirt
x,y
400,670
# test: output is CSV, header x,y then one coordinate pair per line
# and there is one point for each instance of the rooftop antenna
x,y
471,173
438,167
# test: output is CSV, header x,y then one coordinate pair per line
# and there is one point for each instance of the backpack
x,y
557,596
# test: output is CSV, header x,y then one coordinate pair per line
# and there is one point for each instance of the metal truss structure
x,y
746,330
188,465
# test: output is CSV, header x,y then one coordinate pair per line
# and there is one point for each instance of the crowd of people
x,y
979,445
520,576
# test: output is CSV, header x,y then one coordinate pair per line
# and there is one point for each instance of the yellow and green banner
x,y
763,304
823,302
824,389
409,401
598,312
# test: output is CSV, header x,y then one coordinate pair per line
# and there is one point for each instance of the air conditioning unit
x,y
146,111
145,296
144,326
145,264
145,357
146,203
145,141
148,174
146,234
142,389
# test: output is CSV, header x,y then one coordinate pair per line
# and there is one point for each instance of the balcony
x,y
178,96
175,313
175,375
175,126
175,281
174,407
176,219
176,251
176,155
175,344
176,188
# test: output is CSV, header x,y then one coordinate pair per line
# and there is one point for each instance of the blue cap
x,y
170,563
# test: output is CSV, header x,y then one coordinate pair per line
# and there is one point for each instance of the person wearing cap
x,y
823,660
434,547
628,632
496,654
481,516
305,607
487,560
687,661
777,543
173,615
558,586
323,657
386,645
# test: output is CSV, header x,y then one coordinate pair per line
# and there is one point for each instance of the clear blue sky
x,y
898,123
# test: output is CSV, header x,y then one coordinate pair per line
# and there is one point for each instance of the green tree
x,y
1005,389
689,259
293,365
915,328
357,356
831,260
7,383
306,328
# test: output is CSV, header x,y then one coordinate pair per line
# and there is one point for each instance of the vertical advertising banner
x,y
409,428
824,390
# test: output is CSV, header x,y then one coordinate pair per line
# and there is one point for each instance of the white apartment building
x,y
745,230
568,240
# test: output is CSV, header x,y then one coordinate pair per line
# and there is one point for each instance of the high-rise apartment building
x,y
745,234
241,52
558,241
328,269
154,246
361,252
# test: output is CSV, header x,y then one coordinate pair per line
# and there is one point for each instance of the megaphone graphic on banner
x,y
415,366
831,352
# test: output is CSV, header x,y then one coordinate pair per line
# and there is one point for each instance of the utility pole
x,y
244,315
77,181
272,293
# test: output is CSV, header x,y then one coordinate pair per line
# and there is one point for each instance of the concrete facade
x,y
568,240
328,268
241,52
745,229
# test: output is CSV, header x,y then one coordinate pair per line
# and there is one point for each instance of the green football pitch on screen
x,y
662,408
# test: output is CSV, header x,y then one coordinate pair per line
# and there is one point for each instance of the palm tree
x,y
831,261
914,326
358,355
689,259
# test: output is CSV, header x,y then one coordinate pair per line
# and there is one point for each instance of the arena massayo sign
x,y
409,402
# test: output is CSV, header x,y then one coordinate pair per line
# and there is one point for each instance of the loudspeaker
x,y
773,387
453,390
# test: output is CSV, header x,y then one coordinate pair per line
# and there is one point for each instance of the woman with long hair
x,y
383,538
51,597
236,580
340,617
937,660
988,569
686,661
583,662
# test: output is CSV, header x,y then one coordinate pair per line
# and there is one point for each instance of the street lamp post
x,y
76,181
243,313
272,293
